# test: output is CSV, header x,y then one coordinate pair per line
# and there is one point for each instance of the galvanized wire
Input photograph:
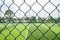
x,y
22,21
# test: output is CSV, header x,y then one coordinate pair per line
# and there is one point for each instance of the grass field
x,y
30,31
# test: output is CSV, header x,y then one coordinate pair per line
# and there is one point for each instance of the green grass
x,y
20,32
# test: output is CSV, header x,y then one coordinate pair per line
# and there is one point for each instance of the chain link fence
x,y
29,19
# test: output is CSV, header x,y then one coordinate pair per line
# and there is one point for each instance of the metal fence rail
x,y
38,19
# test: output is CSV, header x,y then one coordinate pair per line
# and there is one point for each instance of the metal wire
x,y
25,9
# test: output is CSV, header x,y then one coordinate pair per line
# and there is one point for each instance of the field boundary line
x,y
26,34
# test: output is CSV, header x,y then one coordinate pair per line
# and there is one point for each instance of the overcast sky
x,y
36,8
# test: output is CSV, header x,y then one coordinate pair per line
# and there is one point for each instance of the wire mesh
x,y
29,19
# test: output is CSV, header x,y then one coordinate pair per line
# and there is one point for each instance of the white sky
x,y
36,7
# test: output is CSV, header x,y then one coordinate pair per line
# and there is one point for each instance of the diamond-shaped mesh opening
x,y
55,28
37,34
55,2
15,32
43,2
19,14
5,32
8,2
20,27
43,28
30,2
54,14
36,7
14,8
49,7
29,19
10,26
43,14
10,37
30,13
31,27
24,7
2,8
20,38
18,3
50,35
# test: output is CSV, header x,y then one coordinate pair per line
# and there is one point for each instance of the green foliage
x,y
32,19
9,18
30,29
58,19
26,18
9,15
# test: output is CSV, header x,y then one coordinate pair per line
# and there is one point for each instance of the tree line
x,y
9,17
